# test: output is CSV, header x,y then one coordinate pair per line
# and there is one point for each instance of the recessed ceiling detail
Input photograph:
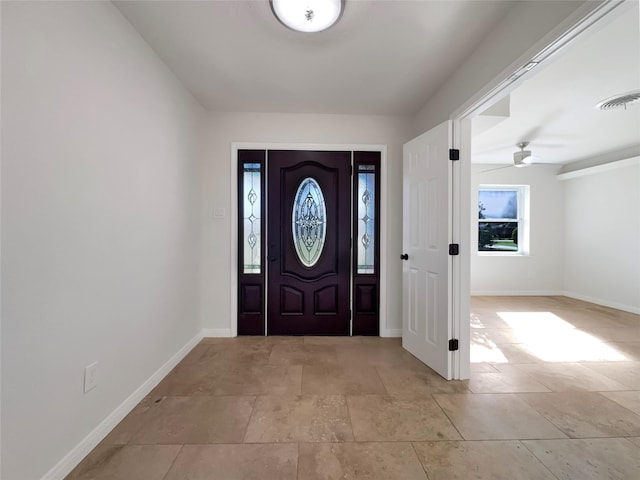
x,y
620,101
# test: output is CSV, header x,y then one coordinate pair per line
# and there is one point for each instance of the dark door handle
x,y
404,256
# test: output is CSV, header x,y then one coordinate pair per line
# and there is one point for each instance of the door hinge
x,y
453,344
454,154
454,249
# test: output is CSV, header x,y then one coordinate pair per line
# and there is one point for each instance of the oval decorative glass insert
x,y
309,221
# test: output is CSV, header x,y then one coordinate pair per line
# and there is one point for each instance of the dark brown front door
x,y
309,237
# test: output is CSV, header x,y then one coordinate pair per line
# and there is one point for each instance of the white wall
x,y
100,223
223,129
540,272
602,240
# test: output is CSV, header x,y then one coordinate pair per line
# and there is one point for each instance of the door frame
x,y
233,213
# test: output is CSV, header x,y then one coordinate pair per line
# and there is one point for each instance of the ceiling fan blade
x,y
494,169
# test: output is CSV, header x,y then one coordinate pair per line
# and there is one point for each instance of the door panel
x,y
308,299
426,313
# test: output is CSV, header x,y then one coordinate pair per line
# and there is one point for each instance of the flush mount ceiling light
x,y
307,15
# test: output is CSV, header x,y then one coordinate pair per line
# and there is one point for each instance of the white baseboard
x,y
217,332
511,293
605,303
391,332
75,456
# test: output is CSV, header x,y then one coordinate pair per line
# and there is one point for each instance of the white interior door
x,y
426,273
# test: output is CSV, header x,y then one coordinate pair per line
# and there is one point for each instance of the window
x,y
251,217
309,221
503,219
366,218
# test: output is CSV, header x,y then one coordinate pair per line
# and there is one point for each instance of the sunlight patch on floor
x,y
547,337
486,352
540,323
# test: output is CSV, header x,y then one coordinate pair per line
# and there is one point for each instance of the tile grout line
x,y
381,381
415,452
559,428
253,409
539,459
145,414
619,404
353,433
173,462
445,413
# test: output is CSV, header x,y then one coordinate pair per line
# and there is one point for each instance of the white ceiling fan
x,y
521,158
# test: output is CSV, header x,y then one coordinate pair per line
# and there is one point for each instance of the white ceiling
x,y
389,58
555,110
383,57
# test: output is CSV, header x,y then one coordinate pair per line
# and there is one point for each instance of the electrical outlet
x,y
90,377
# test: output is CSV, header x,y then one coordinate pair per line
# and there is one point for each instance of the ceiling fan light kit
x,y
523,157
307,16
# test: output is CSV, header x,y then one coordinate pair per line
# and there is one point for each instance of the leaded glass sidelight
x,y
251,206
309,221
366,218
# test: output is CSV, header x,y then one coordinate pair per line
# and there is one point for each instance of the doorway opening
x,y
493,102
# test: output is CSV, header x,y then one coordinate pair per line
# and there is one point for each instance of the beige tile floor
x,y
554,394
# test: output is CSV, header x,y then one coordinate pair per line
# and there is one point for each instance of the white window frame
x,y
523,214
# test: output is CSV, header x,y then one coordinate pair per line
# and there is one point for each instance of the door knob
x,y
404,256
